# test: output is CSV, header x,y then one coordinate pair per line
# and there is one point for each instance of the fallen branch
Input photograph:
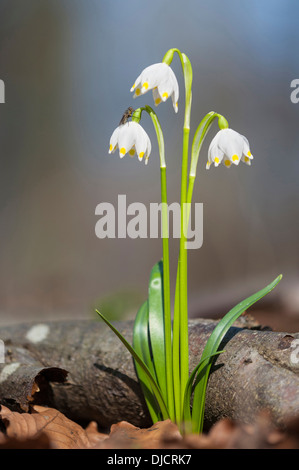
x,y
256,372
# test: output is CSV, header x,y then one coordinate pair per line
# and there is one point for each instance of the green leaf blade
x,y
211,348
156,324
142,348
140,362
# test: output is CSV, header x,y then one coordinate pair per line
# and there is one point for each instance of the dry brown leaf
x,y
225,434
61,432
94,436
124,435
47,428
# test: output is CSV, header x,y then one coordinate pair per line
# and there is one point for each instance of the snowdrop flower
x,y
161,79
131,138
228,146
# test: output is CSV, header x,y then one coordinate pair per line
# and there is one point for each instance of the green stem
x,y
166,295
176,351
165,247
181,313
183,289
180,318
199,137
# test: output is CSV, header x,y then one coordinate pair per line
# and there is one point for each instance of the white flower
x,y
132,138
228,146
161,79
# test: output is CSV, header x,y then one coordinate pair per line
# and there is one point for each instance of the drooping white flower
x,y
161,79
228,146
131,138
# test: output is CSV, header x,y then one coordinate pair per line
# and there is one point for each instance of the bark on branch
x,y
258,370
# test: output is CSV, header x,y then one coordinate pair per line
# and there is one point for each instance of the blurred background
x,y
68,66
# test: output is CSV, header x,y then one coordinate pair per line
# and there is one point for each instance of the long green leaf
x,y
188,390
141,340
140,362
156,324
142,348
211,348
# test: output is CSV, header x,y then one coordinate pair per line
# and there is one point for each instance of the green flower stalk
x,y
165,245
160,347
181,369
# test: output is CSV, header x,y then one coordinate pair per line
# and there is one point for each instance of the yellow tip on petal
x,y
208,165
145,85
141,156
122,151
165,96
216,160
110,148
249,153
235,158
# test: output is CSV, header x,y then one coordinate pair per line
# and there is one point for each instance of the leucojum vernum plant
x,y
160,338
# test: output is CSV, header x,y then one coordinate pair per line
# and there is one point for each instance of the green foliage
x,y
148,351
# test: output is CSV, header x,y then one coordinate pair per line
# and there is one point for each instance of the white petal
x,y
137,92
156,96
174,103
165,89
231,143
142,142
214,142
136,83
113,141
161,79
246,150
152,76
246,160
215,154
132,152
170,87
126,137
148,149
175,94
229,147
